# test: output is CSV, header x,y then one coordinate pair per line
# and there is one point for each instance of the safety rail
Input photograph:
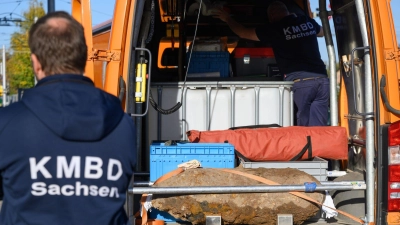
x,y
239,189
355,184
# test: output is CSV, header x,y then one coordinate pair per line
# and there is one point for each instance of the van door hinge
x,y
104,55
390,54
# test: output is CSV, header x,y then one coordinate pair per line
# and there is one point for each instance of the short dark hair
x,y
59,49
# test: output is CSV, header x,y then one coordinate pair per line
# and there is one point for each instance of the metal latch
x,y
346,60
104,55
246,59
285,219
390,54
213,220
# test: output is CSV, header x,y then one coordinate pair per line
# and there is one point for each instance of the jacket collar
x,y
65,78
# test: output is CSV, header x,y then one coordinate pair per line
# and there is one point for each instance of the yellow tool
x,y
141,73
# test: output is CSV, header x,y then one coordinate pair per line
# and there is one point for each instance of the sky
x,y
102,10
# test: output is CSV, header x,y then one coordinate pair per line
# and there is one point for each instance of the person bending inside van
x,y
67,148
294,41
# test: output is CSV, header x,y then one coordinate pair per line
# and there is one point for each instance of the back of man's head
x,y
58,42
276,11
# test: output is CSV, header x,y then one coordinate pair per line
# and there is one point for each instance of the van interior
x,y
212,52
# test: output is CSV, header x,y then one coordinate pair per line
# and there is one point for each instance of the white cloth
x,y
329,211
147,204
192,164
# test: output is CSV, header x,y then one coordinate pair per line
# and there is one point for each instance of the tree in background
x,y
19,69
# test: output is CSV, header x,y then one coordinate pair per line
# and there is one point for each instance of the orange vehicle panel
x,y
385,40
100,41
393,218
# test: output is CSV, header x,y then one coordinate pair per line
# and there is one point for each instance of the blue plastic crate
x,y
161,215
164,159
205,62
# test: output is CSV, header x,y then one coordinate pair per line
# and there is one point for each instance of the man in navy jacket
x,y
294,41
67,149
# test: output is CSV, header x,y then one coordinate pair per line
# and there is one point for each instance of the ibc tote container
x,y
218,105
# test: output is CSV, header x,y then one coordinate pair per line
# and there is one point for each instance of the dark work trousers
x,y
312,100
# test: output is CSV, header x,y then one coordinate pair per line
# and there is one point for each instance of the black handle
x,y
256,126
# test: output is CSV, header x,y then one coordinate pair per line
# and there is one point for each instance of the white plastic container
x,y
218,105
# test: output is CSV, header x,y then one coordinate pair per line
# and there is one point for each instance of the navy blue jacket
x,y
295,45
67,155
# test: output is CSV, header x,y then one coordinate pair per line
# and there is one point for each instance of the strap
x,y
298,194
169,175
241,156
256,126
150,222
308,147
145,219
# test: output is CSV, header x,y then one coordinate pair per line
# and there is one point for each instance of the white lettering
x,y
89,166
286,30
93,190
296,29
79,187
303,26
54,189
114,191
103,191
111,163
74,167
39,167
38,189
64,190
300,35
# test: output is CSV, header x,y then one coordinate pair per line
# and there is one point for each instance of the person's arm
x,y
238,29
321,32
